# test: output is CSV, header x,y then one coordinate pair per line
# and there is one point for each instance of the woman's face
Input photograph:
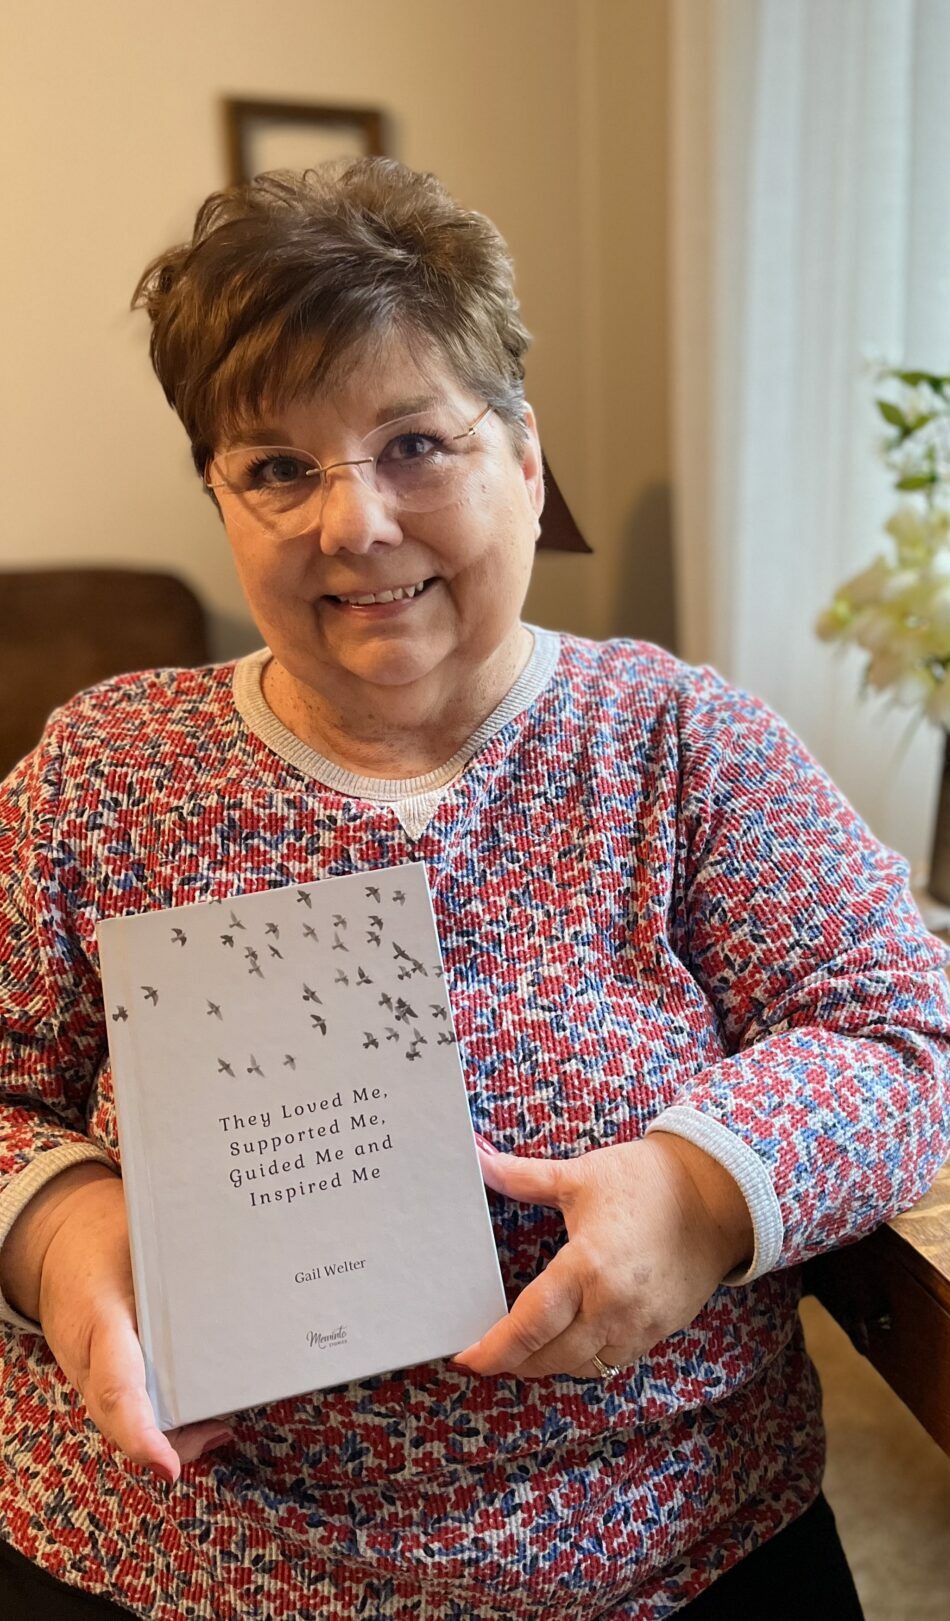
x,y
474,555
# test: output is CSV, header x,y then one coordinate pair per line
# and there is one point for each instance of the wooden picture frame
x,y
262,135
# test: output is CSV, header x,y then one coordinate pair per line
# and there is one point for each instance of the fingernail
x,y
483,1143
457,1362
463,1356
218,1440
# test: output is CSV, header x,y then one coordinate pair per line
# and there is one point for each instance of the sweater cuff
x,y
745,1167
26,1184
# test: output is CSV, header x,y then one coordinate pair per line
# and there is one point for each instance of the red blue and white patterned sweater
x,y
652,903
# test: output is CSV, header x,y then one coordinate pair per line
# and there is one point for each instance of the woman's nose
x,y
353,514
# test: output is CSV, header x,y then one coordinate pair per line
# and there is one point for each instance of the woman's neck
x,y
393,732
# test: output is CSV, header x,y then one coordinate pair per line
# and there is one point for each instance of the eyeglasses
x,y
416,463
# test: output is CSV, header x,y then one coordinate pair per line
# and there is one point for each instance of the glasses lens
x,y
269,480
423,461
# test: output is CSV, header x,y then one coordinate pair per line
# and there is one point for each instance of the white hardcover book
x,y
304,1197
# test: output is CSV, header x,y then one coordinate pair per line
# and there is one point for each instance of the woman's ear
x,y
532,464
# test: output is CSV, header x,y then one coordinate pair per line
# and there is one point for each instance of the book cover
x,y
304,1196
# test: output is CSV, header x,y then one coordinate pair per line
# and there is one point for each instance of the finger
x,y
572,1352
541,1312
192,1441
532,1181
117,1401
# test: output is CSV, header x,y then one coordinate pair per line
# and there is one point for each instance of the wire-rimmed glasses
x,y
415,463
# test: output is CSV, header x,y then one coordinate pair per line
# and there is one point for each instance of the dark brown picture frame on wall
x,y
262,135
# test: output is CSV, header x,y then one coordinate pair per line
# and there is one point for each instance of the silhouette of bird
x,y
310,932
213,1008
372,894
274,952
399,897
255,968
370,1041
151,994
290,1061
250,952
438,971
446,1038
411,1052
404,1011
227,939
385,1000
338,944
339,921
254,1067
391,1034
120,1013
419,967
404,972
318,1023
303,896
224,1068
362,977
376,922
438,1011
273,929
180,937
236,922
310,995
372,939
419,1039
400,952
341,978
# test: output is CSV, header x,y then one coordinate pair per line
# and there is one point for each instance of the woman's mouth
x,y
393,597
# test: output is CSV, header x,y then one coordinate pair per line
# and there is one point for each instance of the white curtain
x,y
810,228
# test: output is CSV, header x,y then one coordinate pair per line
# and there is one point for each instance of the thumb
x,y
532,1181
116,1398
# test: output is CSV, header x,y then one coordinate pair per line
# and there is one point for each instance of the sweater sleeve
x,y
831,1107
52,1029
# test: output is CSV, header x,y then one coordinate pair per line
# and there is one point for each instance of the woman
x,y
691,1065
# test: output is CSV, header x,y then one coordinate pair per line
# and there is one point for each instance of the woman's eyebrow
x,y
386,413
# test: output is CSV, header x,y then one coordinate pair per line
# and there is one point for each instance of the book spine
x,y
133,1132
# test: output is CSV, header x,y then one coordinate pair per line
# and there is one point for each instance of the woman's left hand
x,y
653,1228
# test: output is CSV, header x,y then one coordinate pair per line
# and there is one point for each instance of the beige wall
x,y
549,115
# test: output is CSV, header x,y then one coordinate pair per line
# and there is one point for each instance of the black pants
x,y
801,1575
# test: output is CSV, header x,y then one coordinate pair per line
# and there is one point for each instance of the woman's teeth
x,y
396,595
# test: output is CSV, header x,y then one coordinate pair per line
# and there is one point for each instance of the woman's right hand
x,y
85,1305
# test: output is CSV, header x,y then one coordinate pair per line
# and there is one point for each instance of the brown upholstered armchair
x,y
62,629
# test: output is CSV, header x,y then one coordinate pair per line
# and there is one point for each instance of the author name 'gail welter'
x,y
330,1269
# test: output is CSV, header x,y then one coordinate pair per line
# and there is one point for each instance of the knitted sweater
x,y
655,908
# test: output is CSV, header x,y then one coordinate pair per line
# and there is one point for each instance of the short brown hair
x,y
284,275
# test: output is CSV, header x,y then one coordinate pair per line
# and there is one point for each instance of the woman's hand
x,y
653,1226
86,1308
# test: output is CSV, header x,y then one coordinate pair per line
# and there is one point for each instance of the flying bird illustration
x,y
227,939
376,922
236,922
438,970
180,937
373,939
391,1034
404,1011
400,953
362,977
273,929
310,932
446,1038
151,994
290,1061
339,921
318,1023
370,1040
303,896
224,1068
214,1009
385,1000
274,952
310,995
338,944
120,1013
418,1038
254,1067
412,1052
404,972
372,894
255,968
438,1011
399,897
341,978
419,967
250,952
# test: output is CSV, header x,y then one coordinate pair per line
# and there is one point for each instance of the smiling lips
x,y
398,593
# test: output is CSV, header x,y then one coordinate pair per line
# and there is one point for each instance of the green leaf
x,y
914,378
894,415
916,481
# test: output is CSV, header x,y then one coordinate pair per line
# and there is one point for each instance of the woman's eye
x,y
271,470
409,447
